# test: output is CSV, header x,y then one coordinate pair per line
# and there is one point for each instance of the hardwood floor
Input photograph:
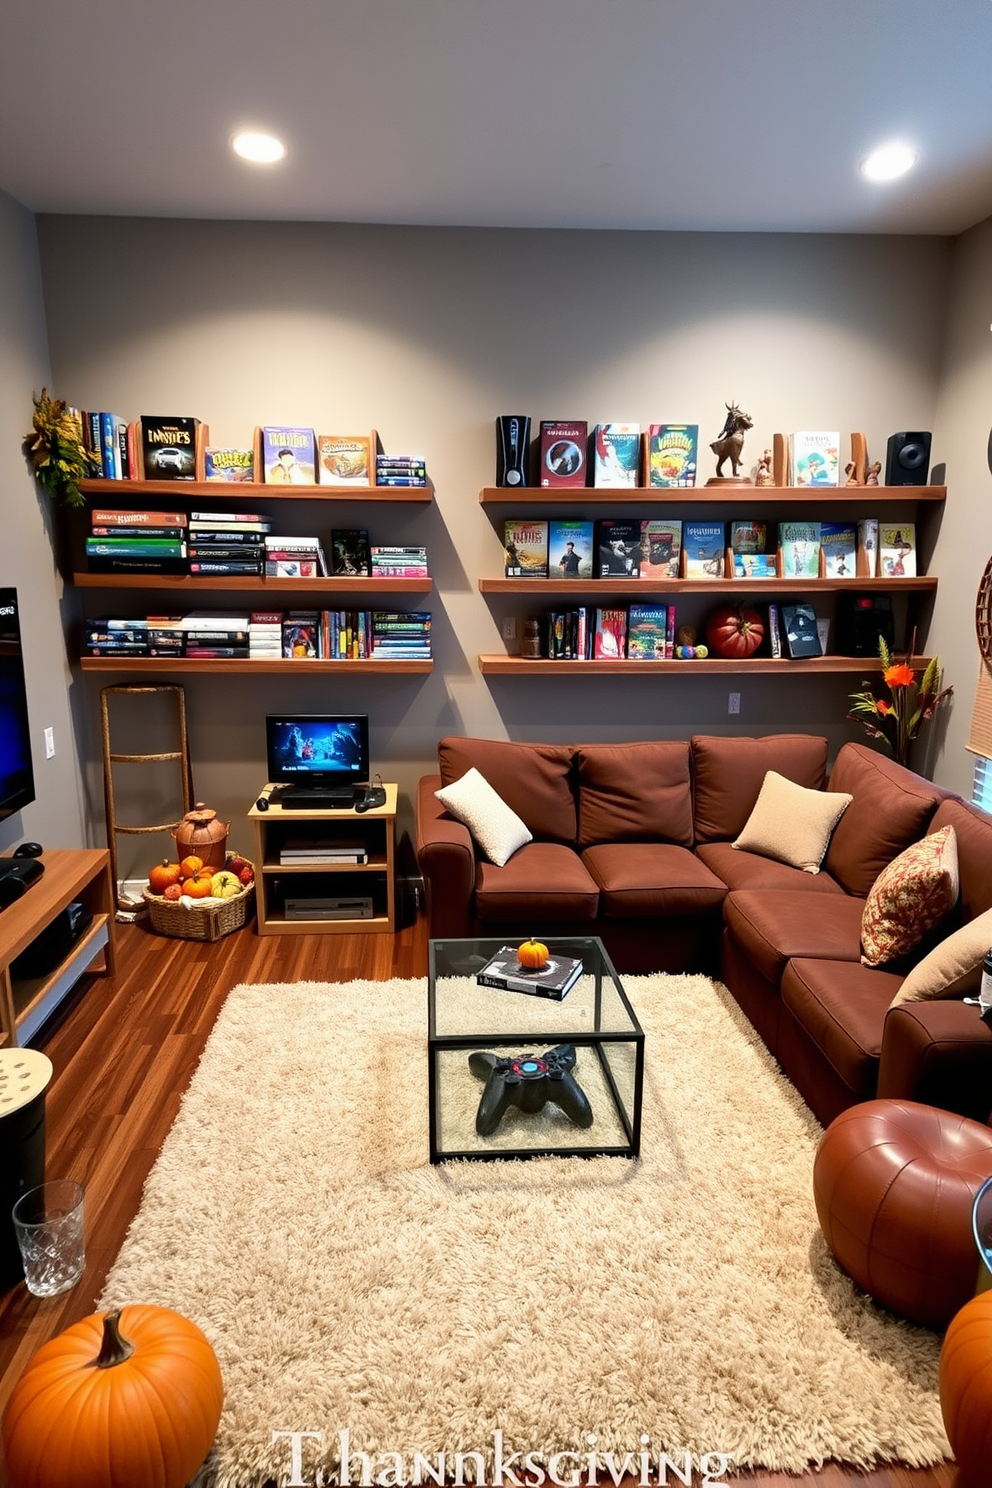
x,y
124,1052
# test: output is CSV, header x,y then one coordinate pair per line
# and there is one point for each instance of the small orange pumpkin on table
x,y
532,955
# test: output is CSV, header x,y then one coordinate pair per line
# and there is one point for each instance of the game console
x,y
358,907
375,795
528,1081
16,877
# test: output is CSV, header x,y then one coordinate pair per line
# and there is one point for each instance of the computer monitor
x,y
314,755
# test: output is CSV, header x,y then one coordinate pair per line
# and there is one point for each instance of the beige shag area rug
x,y
680,1306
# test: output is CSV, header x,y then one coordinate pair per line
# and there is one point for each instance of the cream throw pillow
x,y
494,826
791,823
952,968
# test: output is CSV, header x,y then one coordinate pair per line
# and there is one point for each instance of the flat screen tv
x,y
318,753
16,772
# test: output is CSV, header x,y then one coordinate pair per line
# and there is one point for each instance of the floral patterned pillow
x,y
910,897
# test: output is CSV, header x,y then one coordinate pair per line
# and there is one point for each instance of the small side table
x,y
595,1018
25,1075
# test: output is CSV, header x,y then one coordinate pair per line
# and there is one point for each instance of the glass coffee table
x,y
511,1074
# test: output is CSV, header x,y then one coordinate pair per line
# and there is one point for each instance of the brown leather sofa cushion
x,y
772,928
634,793
641,880
747,870
842,1006
535,780
728,773
891,809
543,882
973,831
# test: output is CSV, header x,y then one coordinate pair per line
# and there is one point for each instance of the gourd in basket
x,y
202,835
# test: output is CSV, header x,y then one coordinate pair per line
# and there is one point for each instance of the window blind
x,y
980,734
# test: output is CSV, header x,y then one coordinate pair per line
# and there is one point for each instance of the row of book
x,y
648,632
665,548
235,543
332,635
177,448
567,452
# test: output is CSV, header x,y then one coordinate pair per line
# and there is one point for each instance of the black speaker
x,y
512,446
16,877
860,621
907,460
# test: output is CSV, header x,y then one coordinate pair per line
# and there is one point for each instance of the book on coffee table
x,y
554,979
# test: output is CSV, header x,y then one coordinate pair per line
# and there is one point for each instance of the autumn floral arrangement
x,y
54,445
895,711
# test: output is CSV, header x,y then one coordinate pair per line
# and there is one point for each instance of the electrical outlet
x,y
49,743
733,703
510,628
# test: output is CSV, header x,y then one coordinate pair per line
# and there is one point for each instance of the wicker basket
x,y
199,921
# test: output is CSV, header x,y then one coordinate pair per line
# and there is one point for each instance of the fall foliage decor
x,y
54,445
895,709
126,1399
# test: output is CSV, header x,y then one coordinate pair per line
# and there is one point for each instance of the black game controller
x,y
528,1082
374,796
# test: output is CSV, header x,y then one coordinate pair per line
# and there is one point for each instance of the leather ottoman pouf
x,y
894,1183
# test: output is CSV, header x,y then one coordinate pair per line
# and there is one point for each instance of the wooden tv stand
x,y
278,882
70,874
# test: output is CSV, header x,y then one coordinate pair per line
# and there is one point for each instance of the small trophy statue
x,y
728,447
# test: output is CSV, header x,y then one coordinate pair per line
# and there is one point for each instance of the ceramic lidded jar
x,y
201,834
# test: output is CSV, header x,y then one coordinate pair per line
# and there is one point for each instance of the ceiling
x,y
717,115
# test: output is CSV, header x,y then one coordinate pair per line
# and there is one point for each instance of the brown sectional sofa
x,y
632,842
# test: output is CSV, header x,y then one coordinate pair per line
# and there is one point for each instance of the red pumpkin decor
x,y
532,954
130,1399
966,1389
735,632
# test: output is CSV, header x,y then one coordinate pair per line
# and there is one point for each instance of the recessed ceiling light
x,y
260,149
889,162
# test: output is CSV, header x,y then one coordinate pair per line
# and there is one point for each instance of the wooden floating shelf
x,y
703,495
629,588
180,491
253,584
519,666
237,666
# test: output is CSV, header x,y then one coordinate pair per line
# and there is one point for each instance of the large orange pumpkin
x,y
130,1399
966,1389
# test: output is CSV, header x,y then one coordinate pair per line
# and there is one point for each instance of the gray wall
x,y
964,418
428,334
26,559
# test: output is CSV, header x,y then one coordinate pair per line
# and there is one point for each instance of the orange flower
x,y
883,707
899,675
